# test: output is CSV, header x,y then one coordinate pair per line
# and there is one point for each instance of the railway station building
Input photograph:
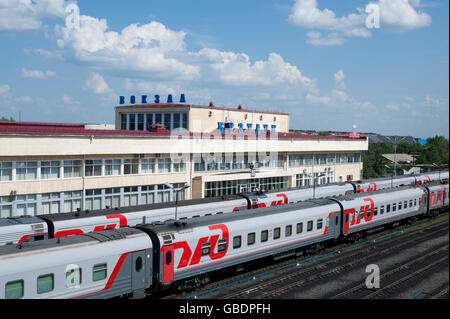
x,y
153,149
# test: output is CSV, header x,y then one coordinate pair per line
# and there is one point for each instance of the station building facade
x,y
153,149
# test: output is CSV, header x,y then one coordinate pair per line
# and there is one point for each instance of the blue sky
x,y
315,59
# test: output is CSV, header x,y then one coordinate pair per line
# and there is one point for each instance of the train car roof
x,y
352,196
171,226
286,189
21,220
137,208
103,236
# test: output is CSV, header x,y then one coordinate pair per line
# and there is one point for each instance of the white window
x,y
112,167
130,166
72,169
26,170
50,169
163,165
5,171
93,167
147,166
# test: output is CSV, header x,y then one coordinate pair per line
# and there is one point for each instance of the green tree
x,y
7,119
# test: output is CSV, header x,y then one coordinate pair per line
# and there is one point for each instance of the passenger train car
x,y
133,262
19,229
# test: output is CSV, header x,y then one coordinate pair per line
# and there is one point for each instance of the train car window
x,y
375,211
251,239
388,208
361,214
382,210
299,228
73,277
206,248
394,207
99,272
264,235
310,225
139,263
168,258
14,290
415,202
45,283
276,233
319,223
399,205
410,203
222,246
288,230
237,240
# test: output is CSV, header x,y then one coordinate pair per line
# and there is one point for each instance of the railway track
x,y
397,278
272,282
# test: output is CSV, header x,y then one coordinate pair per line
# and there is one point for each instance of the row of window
x,y
298,160
251,237
236,162
141,122
74,168
46,283
388,208
221,188
64,202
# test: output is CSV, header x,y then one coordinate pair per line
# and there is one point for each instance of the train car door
x,y
138,270
168,260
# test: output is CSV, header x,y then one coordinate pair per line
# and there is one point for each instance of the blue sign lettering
x,y
230,127
241,128
221,127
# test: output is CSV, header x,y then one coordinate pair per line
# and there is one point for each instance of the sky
x,y
382,66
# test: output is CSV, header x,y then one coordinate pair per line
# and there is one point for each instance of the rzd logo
x,y
191,259
356,218
372,187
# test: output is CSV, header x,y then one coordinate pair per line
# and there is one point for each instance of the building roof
x,y
376,138
213,107
77,129
399,158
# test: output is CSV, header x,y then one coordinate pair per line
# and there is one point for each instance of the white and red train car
x,y
137,261
19,229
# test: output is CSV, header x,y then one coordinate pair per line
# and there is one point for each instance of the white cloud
x,y
96,83
25,15
338,97
400,15
68,100
395,15
37,74
4,89
332,39
152,53
150,48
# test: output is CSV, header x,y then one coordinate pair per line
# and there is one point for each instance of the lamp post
x,y
392,176
395,150
314,182
176,195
